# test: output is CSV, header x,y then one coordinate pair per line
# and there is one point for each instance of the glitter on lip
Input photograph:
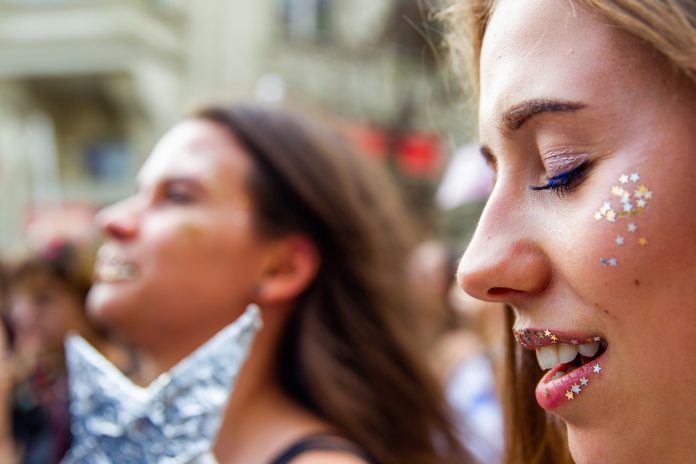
x,y
533,339
553,392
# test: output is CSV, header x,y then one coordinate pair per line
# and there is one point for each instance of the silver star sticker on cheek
x,y
173,420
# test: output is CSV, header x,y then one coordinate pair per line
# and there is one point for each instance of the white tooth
x,y
539,359
549,356
588,349
567,353
558,375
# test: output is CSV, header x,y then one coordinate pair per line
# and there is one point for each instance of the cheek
x,y
609,247
621,220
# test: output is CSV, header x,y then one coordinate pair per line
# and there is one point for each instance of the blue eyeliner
x,y
565,180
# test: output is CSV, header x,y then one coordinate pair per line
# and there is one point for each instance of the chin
x,y
595,447
104,307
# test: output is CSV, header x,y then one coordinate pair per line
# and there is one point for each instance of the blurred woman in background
x,y
246,205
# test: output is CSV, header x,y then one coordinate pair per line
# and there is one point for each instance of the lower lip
x,y
553,393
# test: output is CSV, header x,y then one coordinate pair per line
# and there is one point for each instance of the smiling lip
x,y
112,266
555,389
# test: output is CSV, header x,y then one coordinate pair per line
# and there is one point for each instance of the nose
x,y
503,263
120,220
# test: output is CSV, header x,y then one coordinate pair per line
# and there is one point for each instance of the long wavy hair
x,y
347,353
666,26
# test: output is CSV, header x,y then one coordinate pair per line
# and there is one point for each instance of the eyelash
x,y
565,182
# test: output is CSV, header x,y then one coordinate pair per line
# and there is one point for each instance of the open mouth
x,y
573,363
114,271
111,267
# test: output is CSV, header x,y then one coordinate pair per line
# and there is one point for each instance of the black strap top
x,y
320,443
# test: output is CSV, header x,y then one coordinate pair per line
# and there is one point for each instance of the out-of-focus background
x,y
87,86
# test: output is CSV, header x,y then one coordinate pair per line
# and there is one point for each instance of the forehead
x,y
196,148
546,49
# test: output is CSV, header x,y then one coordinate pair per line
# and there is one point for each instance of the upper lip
x,y
535,338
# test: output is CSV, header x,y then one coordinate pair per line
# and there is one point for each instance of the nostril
x,y
502,291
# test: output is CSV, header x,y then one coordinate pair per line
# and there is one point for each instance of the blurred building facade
x,y
86,86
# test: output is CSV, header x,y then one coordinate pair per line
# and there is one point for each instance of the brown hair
x,y
61,260
346,353
666,26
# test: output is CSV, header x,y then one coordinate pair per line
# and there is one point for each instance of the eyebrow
x,y
515,116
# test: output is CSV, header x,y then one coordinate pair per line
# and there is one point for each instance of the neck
x,y
258,408
164,352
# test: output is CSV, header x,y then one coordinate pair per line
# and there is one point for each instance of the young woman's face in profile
x,y
181,256
599,258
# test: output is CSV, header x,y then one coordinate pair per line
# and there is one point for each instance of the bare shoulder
x,y
328,457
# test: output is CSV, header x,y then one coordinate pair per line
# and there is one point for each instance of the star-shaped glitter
x,y
623,178
596,339
175,419
554,339
642,189
641,203
569,395
597,368
648,195
632,227
627,207
642,241
617,191
606,206
612,262
597,216
547,332
619,240
611,215
635,177
576,388
584,381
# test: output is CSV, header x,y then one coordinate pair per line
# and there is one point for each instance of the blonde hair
x,y
666,26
